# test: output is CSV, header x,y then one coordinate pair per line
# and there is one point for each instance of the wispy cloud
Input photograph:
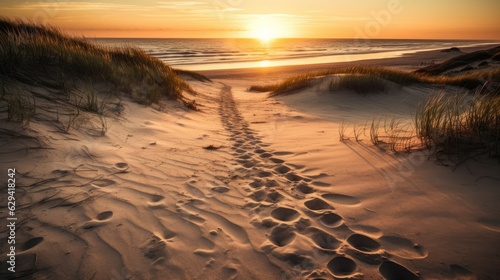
x,y
194,7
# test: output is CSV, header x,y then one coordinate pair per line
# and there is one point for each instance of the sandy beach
x,y
250,187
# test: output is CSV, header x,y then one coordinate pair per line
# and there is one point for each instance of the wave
x,y
203,51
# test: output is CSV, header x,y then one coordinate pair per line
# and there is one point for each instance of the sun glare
x,y
265,35
266,28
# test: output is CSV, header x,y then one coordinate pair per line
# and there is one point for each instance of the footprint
x,y
331,220
324,240
321,184
263,174
282,235
240,151
167,234
230,272
104,215
283,153
297,261
121,167
285,214
268,223
271,183
276,160
363,243
304,188
31,243
319,176
256,184
220,189
101,219
157,198
196,218
250,164
154,248
293,177
156,201
266,155
259,195
246,156
282,169
102,183
341,199
274,197
394,271
260,151
317,204
342,267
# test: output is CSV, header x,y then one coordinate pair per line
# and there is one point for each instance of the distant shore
x,y
411,61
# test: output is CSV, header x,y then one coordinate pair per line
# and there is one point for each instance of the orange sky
x,y
443,19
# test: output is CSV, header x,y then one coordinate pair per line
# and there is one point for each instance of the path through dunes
x,y
303,228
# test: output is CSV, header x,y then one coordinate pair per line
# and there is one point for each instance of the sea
x,y
212,54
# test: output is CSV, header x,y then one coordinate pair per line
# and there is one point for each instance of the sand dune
x,y
280,198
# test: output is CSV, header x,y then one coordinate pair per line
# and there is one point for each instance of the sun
x,y
265,35
266,28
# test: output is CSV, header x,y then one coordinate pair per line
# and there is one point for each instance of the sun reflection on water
x,y
265,63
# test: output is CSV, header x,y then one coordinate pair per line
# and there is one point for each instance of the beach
x,y
252,186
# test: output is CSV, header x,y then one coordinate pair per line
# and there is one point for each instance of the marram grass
x,y
42,55
468,80
358,83
460,124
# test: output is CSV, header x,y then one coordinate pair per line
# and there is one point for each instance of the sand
x,y
280,196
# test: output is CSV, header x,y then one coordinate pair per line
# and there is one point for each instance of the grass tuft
x,y
358,83
471,80
33,54
461,125
65,79
193,75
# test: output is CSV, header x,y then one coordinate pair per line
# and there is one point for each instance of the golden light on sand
x,y
265,28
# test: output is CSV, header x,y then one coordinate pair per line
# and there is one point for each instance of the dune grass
x,y
287,86
460,124
62,79
35,54
466,80
193,75
359,83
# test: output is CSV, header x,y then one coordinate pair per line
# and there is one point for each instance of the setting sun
x,y
267,27
265,35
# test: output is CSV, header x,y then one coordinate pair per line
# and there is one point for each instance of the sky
x,y
265,19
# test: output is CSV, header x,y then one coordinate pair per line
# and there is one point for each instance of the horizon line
x,y
281,38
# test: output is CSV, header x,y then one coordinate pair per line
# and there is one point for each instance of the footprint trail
x,y
295,210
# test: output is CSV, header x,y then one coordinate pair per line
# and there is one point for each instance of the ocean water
x,y
204,54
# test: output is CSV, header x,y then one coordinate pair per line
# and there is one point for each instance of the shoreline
x,y
410,61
